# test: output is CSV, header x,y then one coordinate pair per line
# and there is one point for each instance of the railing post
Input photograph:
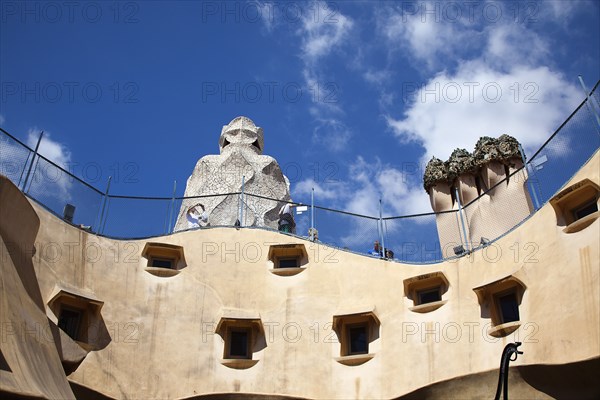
x,y
23,170
529,182
103,217
312,214
35,152
462,221
381,235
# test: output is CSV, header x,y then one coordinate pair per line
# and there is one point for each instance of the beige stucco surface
x,y
33,366
163,343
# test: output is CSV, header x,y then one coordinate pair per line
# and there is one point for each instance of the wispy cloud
x,y
369,182
324,31
453,111
47,180
328,191
484,85
331,132
51,149
321,32
401,194
422,32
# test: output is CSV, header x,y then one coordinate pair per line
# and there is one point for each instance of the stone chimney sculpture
x,y
241,145
488,171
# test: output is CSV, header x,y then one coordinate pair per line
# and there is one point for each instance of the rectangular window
x,y
585,209
239,344
69,321
358,342
429,295
162,262
288,263
509,308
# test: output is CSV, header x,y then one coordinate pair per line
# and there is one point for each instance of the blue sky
x,y
354,96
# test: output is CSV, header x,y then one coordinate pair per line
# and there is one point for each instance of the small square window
x,y
287,259
509,307
69,321
162,262
239,343
429,295
358,341
288,263
356,331
585,209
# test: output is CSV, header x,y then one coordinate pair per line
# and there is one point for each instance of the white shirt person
x,y
196,218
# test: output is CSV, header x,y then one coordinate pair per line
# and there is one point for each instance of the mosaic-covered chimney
x,y
241,146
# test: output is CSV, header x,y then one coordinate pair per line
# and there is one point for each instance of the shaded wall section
x,y
31,365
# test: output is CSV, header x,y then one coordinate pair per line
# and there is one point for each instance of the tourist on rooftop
x,y
286,219
376,250
197,218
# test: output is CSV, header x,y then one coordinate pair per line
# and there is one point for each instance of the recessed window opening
x,y
239,343
576,206
225,143
69,321
358,339
426,291
162,262
586,209
508,307
288,263
255,144
429,295
288,259
163,259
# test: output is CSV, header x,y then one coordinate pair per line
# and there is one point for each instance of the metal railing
x,y
413,238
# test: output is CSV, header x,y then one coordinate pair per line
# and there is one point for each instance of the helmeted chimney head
x,y
241,131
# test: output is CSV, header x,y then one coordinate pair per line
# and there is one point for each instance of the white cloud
x,y
503,84
561,10
510,45
426,36
304,189
267,14
455,110
47,180
378,77
331,133
52,150
401,194
440,36
323,31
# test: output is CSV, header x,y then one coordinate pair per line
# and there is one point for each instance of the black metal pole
x,y
509,350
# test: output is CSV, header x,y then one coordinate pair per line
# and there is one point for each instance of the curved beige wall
x,y
30,364
162,329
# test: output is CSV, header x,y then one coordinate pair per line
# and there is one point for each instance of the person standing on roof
x,y
286,219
